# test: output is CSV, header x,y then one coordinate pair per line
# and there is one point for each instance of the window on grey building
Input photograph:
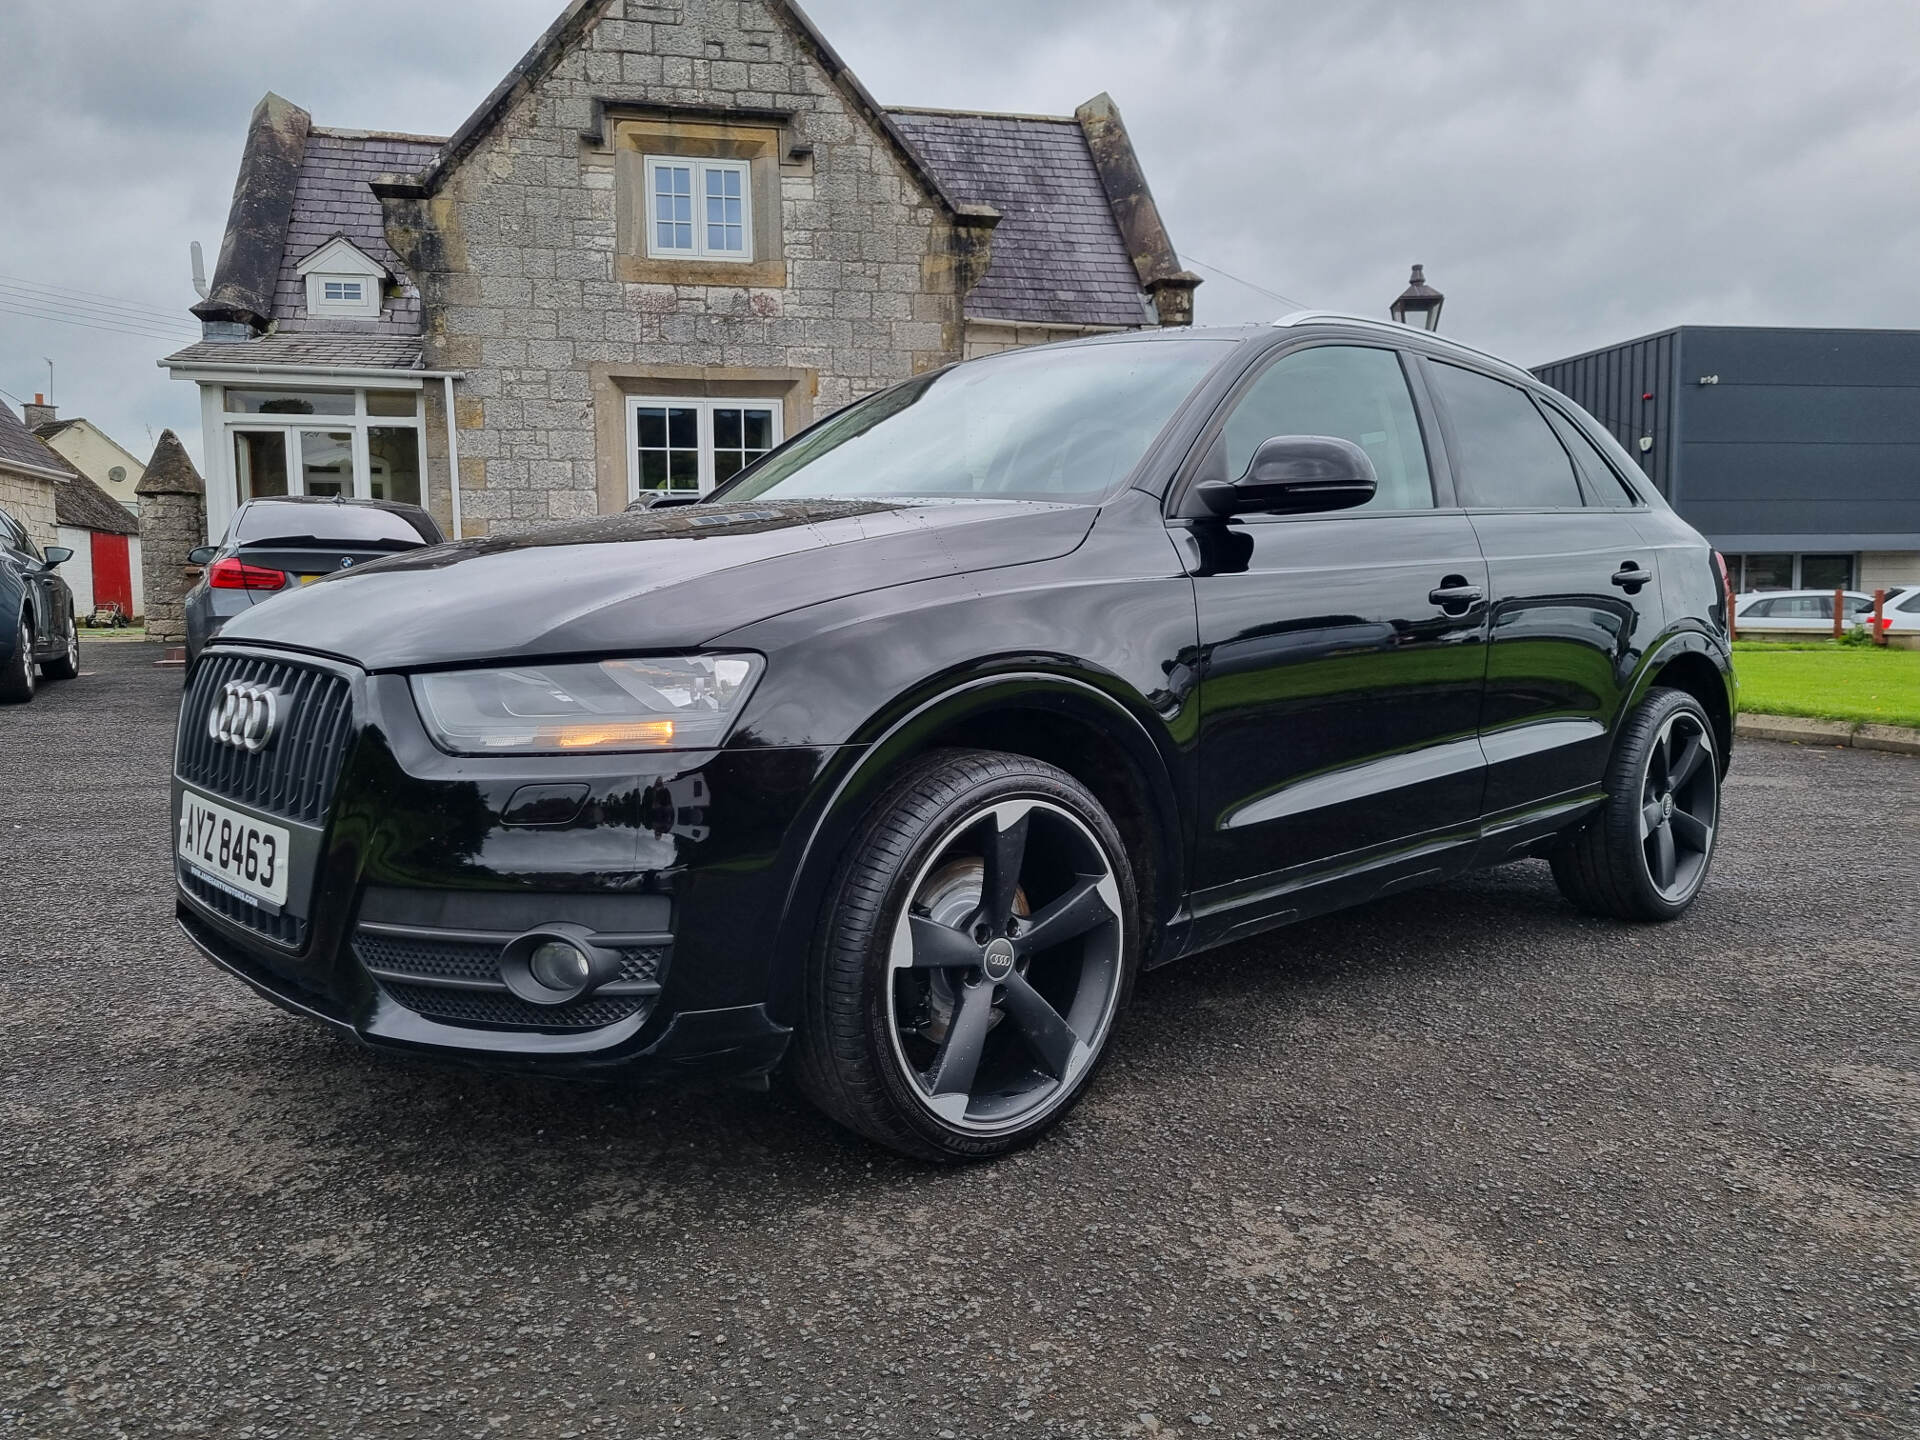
x,y
1765,572
1826,572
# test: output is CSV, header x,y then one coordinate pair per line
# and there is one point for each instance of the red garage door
x,y
112,575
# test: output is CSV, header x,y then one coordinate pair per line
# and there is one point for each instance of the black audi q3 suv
x,y
898,756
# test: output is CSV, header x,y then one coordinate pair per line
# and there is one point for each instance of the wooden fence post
x,y
1880,617
1839,613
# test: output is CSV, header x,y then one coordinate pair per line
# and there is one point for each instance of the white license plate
x,y
234,851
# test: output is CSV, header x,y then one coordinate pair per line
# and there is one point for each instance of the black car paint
x,y
1209,668
31,584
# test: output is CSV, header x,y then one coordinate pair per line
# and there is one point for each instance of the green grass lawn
x,y
1829,682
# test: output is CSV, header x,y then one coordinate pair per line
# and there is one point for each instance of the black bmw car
x,y
900,755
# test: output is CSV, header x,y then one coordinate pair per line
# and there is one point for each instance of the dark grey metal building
x,y
1796,452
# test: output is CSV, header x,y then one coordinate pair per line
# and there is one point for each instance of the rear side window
x,y
1910,604
1604,487
1348,391
1509,458
360,523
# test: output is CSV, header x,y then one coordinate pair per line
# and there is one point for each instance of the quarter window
x,y
1508,457
686,447
699,209
1602,483
1351,392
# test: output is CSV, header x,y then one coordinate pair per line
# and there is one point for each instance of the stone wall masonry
x,y
29,500
516,256
170,526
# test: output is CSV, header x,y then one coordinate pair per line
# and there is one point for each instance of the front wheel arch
x,y
1057,719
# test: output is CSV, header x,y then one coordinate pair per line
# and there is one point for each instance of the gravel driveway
x,y
1463,1163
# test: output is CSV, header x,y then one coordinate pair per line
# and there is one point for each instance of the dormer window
x,y
699,209
343,281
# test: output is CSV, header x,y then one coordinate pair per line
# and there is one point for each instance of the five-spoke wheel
x,y
1644,855
1679,805
980,945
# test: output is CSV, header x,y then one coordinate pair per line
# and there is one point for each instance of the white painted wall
x,y
139,580
78,572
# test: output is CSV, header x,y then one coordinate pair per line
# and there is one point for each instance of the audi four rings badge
x,y
245,716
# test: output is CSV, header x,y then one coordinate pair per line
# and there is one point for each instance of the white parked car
x,y
1902,611
1786,611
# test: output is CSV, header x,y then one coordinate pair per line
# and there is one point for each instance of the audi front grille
x,y
293,773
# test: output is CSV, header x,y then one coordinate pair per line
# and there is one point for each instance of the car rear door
x,y
1342,653
1575,593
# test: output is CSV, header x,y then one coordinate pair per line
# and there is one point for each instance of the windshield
x,y
1028,425
327,524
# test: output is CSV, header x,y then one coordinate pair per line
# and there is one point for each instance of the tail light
x,y
1726,586
232,574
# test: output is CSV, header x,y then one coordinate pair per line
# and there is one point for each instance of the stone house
x,y
677,232
31,479
90,450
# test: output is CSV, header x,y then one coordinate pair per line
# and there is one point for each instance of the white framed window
x,y
679,446
699,209
364,443
343,280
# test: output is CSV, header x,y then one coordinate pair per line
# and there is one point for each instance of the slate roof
x,y
85,506
20,450
1057,252
331,197
368,350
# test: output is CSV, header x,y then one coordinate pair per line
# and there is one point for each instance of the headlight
x,y
673,703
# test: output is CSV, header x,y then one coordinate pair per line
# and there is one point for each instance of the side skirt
x,y
1215,918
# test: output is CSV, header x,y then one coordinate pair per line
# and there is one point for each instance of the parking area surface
x,y
1462,1163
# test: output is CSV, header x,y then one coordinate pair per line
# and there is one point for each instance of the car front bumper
x,y
414,868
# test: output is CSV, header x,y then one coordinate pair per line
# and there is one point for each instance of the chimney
x,y
38,413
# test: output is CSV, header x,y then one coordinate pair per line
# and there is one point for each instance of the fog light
x,y
560,966
556,964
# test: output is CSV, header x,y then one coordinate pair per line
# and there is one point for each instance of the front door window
x,y
259,463
326,462
686,447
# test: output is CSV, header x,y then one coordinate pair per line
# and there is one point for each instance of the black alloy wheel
x,y
1645,855
65,665
980,947
17,676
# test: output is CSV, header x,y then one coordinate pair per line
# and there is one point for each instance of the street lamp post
x,y
1419,304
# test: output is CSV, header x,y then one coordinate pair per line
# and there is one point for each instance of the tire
x,y
17,675
948,1013
66,665
1618,865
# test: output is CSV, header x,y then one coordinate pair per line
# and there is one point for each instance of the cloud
x,y
1569,174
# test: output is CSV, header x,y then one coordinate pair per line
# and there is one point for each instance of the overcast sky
x,y
1570,173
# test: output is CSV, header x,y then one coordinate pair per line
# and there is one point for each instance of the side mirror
x,y
1295,475
201,555
57,555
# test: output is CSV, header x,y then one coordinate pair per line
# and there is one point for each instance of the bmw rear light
x,y
232,574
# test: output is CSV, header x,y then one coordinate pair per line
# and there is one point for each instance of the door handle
x,y
1455,595
1630,577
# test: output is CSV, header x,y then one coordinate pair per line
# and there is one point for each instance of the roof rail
x,y
1304,317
